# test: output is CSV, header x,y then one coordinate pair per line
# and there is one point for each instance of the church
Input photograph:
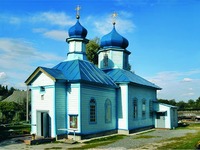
x,y
75,97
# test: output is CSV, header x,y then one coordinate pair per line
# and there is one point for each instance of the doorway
x,y
160,116
43,124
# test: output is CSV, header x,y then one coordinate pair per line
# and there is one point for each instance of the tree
x,y
181,105
8,110
91,50
4,92
191,104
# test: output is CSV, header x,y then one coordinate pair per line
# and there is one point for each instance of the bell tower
x,y
113,53
77,40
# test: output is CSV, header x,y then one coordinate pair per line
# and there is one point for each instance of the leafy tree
x,y
191,104
8,110
181,105
5,92
165,101
91,50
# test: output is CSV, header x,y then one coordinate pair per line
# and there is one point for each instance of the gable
x,y
41,74
42,80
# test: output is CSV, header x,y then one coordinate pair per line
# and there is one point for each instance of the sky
x,y
163,35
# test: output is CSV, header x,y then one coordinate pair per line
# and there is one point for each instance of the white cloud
x,y
39,30
19,58
14,20
18,49
11,19
187,80
190,89
60,35
53,18
103,25
175,88
59,19
188,94
2,75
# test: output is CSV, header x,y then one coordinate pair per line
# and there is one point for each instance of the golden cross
x,y
114,16
78,12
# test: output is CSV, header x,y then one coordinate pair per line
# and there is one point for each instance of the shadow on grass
x,y
10,131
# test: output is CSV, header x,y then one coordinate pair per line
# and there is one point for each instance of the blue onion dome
x,y
77,31
113,39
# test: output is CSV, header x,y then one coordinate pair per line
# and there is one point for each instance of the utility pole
x,y
27,102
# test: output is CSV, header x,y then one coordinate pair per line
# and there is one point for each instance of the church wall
x,y
73,105
123,107
100,94
43,101
61,111
140,94
117,58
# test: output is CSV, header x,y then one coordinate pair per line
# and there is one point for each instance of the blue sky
x,y
164,38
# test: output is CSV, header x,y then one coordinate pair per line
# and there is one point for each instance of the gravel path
x,y
133,142
129,142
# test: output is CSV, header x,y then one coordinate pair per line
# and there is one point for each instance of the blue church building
x,y
75,96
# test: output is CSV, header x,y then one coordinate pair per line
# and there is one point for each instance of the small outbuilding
x,y
166,116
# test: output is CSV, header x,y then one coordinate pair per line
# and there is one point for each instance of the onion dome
x,y
77,31
114,39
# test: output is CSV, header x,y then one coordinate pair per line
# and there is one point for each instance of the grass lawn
x,y
101,141
186,142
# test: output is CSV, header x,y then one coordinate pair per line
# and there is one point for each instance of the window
x,y
105,60
42,97
108,111
135,109
150,108
92,111
143,108
73,121
42,89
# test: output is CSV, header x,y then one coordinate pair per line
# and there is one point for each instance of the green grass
x,y
187,142
101,141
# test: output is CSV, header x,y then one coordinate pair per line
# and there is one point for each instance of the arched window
x,y
105,60
92,111
108,111
135,108
150,108
143,108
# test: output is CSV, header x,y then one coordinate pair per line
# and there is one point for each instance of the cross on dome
x,y
114,16
78,8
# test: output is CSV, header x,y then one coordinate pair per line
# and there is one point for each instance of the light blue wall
x,y
60,107
174,117
100,94
140,93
